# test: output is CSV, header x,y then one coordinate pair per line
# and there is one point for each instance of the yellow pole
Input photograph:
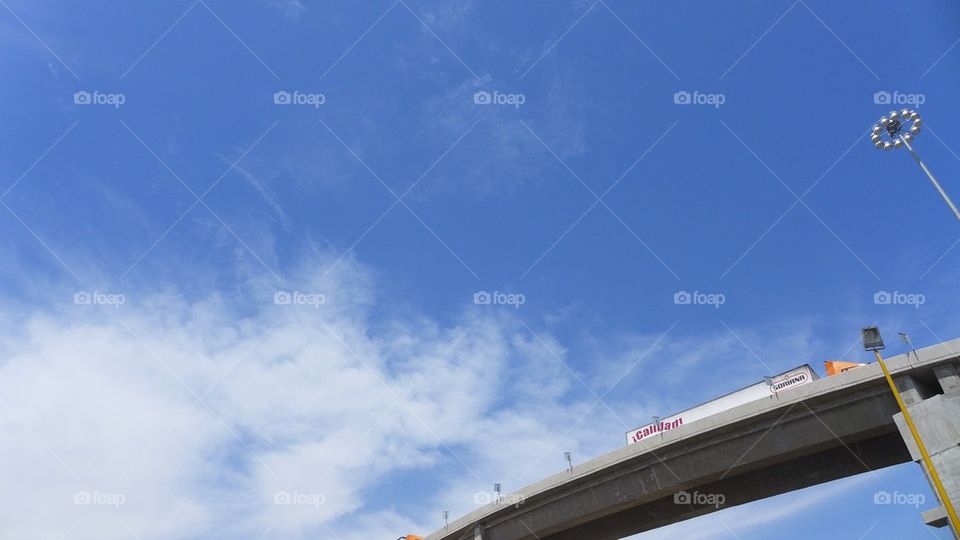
x,y
941,492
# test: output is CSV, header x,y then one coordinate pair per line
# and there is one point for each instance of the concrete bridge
x,y
832,428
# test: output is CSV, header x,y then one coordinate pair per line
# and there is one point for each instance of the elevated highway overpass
x,y
828,429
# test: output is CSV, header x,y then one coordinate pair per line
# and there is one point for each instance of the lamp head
x,y
894,127
871,338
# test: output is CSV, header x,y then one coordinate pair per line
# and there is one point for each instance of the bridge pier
x,y
937,418
910,389
949,377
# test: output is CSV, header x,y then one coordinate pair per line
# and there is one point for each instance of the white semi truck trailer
x,y
770,386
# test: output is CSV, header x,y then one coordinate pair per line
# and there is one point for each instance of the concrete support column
x,y
909,389
949,377
938,422
478,532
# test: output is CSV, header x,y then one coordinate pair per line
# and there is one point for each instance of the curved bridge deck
x,y
831,428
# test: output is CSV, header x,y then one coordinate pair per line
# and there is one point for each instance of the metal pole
x,y
941,492
946,198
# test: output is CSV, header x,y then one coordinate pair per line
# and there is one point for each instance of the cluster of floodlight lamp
x,y
894,126
898,128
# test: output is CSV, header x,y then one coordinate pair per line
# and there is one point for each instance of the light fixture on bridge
x,y
769,380
906,341
496,489
657,426
568,456
871,339
446,519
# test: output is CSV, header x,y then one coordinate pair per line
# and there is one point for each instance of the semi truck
x,y
766,388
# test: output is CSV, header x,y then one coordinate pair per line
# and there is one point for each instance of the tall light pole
x,y
873,342
892,132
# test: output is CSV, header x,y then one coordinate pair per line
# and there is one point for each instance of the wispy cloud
x,y
291,9
501,156
263,189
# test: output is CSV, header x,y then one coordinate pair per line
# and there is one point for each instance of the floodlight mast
x,y
893,125
872,341
933,180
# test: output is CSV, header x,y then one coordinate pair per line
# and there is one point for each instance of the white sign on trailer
x,y
779,383
792,378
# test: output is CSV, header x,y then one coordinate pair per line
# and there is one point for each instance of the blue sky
x,y
148,161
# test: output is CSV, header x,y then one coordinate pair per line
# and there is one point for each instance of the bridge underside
x,y
831,464
789,448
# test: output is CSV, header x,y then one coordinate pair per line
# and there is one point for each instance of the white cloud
x,y
292,399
